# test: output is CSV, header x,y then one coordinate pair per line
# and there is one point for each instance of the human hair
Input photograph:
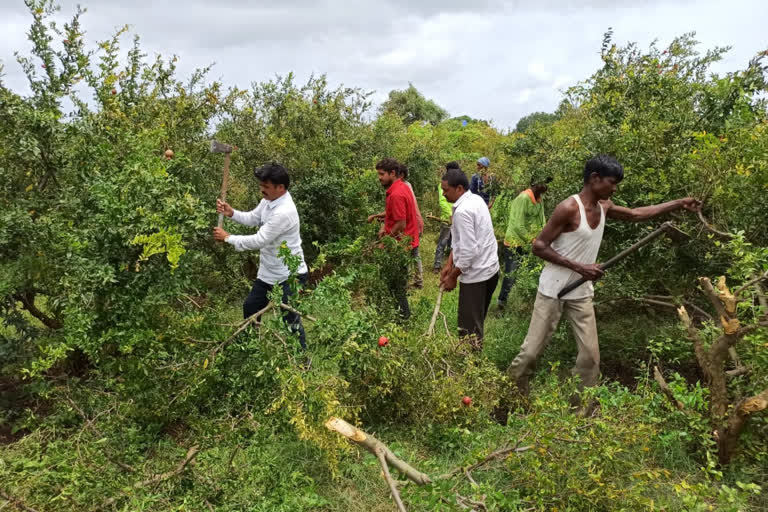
x,y
456,177
402,171
452,165
604,166
273,173
389,165
539,188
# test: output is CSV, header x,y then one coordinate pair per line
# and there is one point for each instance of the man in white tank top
x,y
569,243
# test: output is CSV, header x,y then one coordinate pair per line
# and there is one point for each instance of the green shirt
x,y
445,206
525,221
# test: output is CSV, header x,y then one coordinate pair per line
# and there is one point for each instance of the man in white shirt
x,y
278,223
473,260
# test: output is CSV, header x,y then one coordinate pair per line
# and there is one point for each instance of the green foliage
x,y
411,106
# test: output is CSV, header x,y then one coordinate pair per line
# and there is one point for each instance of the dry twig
x,y
16,503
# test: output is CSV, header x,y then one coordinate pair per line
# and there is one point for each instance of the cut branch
x,y
659,378
253,319
293,310
498,454
712,229
392,485
191,454
698,347
371,444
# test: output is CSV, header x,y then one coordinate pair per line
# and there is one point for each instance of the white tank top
x,y
582,246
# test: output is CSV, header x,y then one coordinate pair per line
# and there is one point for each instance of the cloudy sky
x,y
487,59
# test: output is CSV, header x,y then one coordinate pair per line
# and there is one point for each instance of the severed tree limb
x,y
659,378
737,420
392,485
15,502
736,372
431,329
253,319
711,294
371,444
191,454
294,310
712,229
498,454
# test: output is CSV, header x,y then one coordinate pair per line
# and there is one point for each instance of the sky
x,y
493,60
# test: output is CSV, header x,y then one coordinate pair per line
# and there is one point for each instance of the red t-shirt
x,y
401,204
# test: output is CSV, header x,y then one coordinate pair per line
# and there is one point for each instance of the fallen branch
x,y
16,503
392,485
372,445
736,372
293,310
191,454
438,301
498,454
89,425
712,229
445,323
243,325
659,378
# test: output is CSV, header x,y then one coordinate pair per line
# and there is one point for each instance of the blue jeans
x,y
443,245
512,257
259,298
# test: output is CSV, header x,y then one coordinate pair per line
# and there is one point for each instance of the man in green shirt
x,y
525,221
446,210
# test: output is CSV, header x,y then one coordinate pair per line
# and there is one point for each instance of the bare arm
x,y
649,212
398,228
542,246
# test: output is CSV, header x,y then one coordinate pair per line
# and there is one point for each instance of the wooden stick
x,y
224,181
392,485
191,454
438,219
371,444
439,300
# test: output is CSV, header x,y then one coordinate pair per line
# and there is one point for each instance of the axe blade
x,y
220,147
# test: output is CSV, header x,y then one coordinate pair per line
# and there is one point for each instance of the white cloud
x,y
488,59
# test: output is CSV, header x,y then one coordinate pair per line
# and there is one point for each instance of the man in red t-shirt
x,y
400,219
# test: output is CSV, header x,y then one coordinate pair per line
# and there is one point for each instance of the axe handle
x,y
224,180
611,262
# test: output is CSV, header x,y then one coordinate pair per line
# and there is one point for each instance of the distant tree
x,y
412,106
525,123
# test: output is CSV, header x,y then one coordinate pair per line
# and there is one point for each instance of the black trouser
x,y
474,299
512,257
259,298
443,245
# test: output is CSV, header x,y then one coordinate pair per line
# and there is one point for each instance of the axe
x,y
667,228
218,147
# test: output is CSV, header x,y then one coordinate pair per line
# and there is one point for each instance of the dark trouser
x,y
259,298
512,258
474,299
443,245
398,286
418,276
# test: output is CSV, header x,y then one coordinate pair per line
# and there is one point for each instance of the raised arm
x,y
563,216
649,212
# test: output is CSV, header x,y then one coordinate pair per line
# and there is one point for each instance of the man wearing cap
x,y
278,222
525,219
482,182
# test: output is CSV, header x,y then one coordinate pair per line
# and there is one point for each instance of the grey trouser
x,y
546,316
418,275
